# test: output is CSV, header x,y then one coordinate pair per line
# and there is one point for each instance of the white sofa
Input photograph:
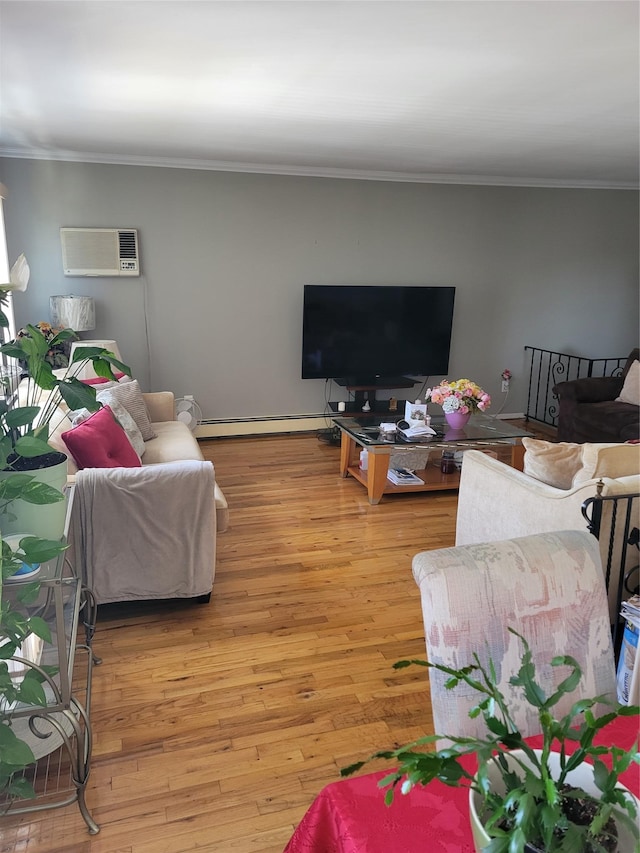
x,y
498,502
148,532
174,442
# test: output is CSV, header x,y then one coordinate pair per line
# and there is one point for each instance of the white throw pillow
x,y
608,460
79,416
631,389
130,396
128,424
553,463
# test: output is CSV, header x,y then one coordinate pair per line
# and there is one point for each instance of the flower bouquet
x,y
459,399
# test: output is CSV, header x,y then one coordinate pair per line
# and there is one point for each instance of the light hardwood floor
x,y
215,725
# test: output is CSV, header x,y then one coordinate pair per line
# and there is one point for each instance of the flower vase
x,y
457,420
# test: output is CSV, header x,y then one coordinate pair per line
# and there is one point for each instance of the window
x,y
9,376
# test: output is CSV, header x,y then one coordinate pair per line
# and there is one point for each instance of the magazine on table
x,y
628,671
403,477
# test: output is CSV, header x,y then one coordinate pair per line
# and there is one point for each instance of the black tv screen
x,y
362,333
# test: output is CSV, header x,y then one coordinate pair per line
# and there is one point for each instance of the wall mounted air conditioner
x,y
100,251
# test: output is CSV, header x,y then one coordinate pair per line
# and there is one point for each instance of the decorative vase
x,y
457,420
580,777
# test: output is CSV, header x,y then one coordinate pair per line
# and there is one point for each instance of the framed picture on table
x,y
416,414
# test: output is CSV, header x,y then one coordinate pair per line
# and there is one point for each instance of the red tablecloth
x,y
349,816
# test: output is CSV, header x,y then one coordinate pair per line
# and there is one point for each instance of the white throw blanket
x,y
145,532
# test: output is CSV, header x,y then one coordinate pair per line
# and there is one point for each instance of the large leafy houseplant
x,y
534,811
25,416
24,424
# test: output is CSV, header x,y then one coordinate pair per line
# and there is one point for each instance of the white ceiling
x,y
540,92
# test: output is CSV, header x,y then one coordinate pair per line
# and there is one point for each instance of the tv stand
x,y
376,408
365,388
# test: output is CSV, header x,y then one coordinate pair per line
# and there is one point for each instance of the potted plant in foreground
x,y
24,430
530,808
26,416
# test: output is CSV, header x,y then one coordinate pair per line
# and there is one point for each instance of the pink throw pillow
x,y
99,380
100,442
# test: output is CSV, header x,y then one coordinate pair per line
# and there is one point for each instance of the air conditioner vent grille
x,y
128,244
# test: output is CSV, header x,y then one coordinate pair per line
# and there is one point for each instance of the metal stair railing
x,y
547,368
617,516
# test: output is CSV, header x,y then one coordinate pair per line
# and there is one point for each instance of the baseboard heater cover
x,y
229,427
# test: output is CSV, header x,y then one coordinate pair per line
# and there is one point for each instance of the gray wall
x,y
217,309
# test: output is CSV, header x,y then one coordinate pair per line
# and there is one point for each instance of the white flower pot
x,y
44,520
581,777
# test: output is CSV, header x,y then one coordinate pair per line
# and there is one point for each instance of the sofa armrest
x,y
161,405
595,389
496,502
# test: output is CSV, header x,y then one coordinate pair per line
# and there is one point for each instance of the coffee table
x,y
358,432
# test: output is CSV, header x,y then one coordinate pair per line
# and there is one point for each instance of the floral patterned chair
x,y
549,587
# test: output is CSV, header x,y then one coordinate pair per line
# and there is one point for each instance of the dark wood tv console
x,y
366,391
378,408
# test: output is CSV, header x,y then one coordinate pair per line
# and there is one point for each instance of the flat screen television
x,y
369,334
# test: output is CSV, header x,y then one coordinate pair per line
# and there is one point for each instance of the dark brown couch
x,y
589,412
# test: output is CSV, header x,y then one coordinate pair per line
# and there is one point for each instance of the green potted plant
x,y
25,416
522,805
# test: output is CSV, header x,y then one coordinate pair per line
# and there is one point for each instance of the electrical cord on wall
x,y
420,394
327,398
330,434
504,403
506,384
146,330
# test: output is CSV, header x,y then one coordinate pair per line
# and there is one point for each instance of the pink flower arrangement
x,y
462,396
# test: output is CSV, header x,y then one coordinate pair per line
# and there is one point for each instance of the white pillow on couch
x,y
555,464
631,389
565,465
130,396
108,398
608,460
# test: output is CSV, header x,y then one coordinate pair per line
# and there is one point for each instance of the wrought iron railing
x,y
614,520
547,368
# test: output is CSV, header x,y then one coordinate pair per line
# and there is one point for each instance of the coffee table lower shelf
x,y
483,433
433,480
374,478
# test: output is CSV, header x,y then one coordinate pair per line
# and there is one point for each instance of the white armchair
x,y
497,502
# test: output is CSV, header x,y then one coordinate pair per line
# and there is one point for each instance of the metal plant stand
x,y
58,732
